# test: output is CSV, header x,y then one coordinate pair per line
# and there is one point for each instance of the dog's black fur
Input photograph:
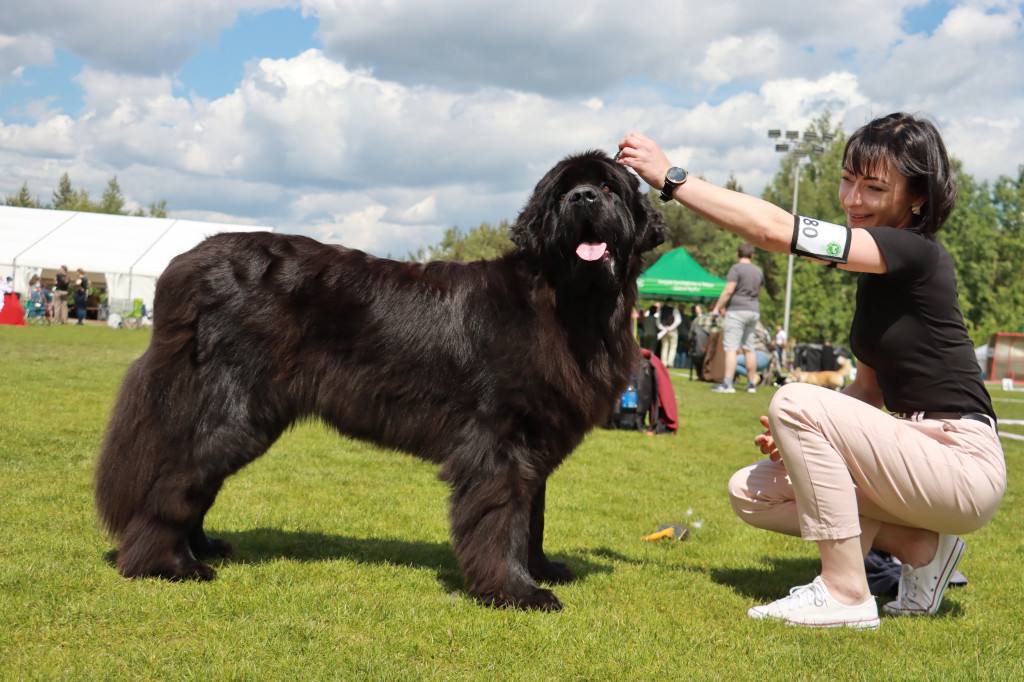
x,y
494,369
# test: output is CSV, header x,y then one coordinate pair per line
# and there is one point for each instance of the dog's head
x,y
588,223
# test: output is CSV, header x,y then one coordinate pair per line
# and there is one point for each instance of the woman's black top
x,y
909,329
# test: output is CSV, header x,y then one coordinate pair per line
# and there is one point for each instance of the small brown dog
x,y
832,379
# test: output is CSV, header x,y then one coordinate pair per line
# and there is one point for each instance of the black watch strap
x,y
673,178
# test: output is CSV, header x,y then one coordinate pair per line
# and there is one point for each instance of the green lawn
x,y
343,570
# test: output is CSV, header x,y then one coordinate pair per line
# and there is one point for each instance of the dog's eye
x,y
606,188
561,197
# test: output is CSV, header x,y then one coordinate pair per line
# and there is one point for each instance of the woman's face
x,y
878,198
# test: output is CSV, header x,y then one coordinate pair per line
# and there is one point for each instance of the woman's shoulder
x,y
907,251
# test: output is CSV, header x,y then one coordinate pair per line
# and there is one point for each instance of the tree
x,y
158,209
972,236
822,303
483,241
711,247
67,198
1006,312
112,201
64,198
23,198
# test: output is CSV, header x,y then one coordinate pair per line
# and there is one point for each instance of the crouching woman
x,y
839,470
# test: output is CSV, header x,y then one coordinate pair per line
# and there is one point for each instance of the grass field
x,y
343,570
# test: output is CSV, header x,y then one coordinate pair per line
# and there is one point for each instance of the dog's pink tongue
x,y
588,251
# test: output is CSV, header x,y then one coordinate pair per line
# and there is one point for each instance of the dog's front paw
x,y
553,572
193,570
211,548
539,599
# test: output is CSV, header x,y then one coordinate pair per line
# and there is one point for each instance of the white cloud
x,y
570,49
736,58
134,37
418,115
973,25
973,64
422,212
53,137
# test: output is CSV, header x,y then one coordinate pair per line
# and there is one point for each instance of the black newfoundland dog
x,y
494,370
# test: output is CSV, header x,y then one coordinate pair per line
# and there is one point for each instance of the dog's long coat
x,y
494,369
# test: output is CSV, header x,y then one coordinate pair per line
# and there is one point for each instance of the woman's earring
x,y
915,209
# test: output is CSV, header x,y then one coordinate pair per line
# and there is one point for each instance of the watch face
x,y
676,175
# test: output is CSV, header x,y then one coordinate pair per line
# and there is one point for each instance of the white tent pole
x,y
131,268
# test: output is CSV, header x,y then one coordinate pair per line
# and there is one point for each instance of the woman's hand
x,y
642,154
767,443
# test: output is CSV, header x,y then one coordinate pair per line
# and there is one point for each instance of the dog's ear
x,y
649,220
525,231
650,223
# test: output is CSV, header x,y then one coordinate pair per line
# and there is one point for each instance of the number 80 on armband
x,y
820,239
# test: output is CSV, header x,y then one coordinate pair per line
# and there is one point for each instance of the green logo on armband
x,y
820,239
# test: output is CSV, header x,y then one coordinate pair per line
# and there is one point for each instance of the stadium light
x,y
799,149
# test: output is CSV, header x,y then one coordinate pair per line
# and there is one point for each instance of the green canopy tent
x,y
677,276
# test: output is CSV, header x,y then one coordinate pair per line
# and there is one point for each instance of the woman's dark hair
x,y
913,147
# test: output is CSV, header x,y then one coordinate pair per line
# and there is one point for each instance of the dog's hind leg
x,y
156,541
491,535
166,537
203,546
541,568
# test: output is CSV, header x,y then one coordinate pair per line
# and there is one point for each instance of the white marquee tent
x,y
129,251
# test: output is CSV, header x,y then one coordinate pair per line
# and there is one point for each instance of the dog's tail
x,y
126,469
140,443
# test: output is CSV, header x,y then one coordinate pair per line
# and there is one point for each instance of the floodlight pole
x,y
789,264
799,150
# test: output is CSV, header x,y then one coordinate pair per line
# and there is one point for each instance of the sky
x,y
379,124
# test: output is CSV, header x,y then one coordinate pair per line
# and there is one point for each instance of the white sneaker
x,y
921,589
723,388
812,606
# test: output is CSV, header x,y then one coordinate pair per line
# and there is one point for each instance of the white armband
x,y
818,239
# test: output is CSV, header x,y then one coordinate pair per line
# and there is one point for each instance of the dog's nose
x,y
583,195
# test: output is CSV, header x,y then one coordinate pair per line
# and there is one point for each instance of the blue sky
x,y
379,125
50,83
217,68
927,17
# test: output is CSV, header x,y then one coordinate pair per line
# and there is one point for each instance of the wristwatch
x,y
674,177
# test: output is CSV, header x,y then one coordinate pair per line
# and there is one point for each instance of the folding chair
x,y
133,320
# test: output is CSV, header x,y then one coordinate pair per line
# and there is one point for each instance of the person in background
x,y
780,344
48,302
60,296
741,311
668,326
649,328
11,312
683,345
838,470
81,295
709,320
6,288
763,348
